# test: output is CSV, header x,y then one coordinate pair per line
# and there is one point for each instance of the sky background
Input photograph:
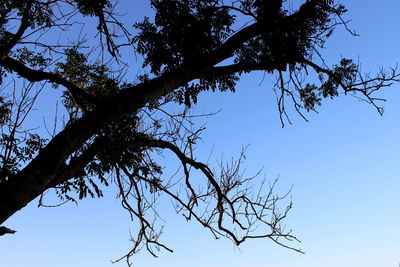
x,y
343,163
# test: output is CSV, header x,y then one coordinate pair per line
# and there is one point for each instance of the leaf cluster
x,y
19,151
92,8
182,31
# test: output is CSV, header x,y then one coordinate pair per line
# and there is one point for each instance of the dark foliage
x,y
118,124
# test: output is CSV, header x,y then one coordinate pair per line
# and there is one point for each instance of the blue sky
x,y
343,164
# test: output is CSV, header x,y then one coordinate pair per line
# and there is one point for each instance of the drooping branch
x,y
230,211
221,191
103,29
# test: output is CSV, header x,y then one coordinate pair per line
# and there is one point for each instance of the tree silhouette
x,y
117,123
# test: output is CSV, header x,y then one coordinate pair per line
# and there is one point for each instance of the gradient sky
x,y
343,163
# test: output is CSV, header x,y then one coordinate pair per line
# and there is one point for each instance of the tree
x,y
117,122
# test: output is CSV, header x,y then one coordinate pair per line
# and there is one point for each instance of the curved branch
x,y
37,75
223,197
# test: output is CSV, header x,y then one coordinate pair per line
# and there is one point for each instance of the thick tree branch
x,y
31,181
25,22
241,67
227,49
76,166
40,172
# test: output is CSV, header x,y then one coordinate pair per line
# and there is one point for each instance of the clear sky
x,y
343,163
